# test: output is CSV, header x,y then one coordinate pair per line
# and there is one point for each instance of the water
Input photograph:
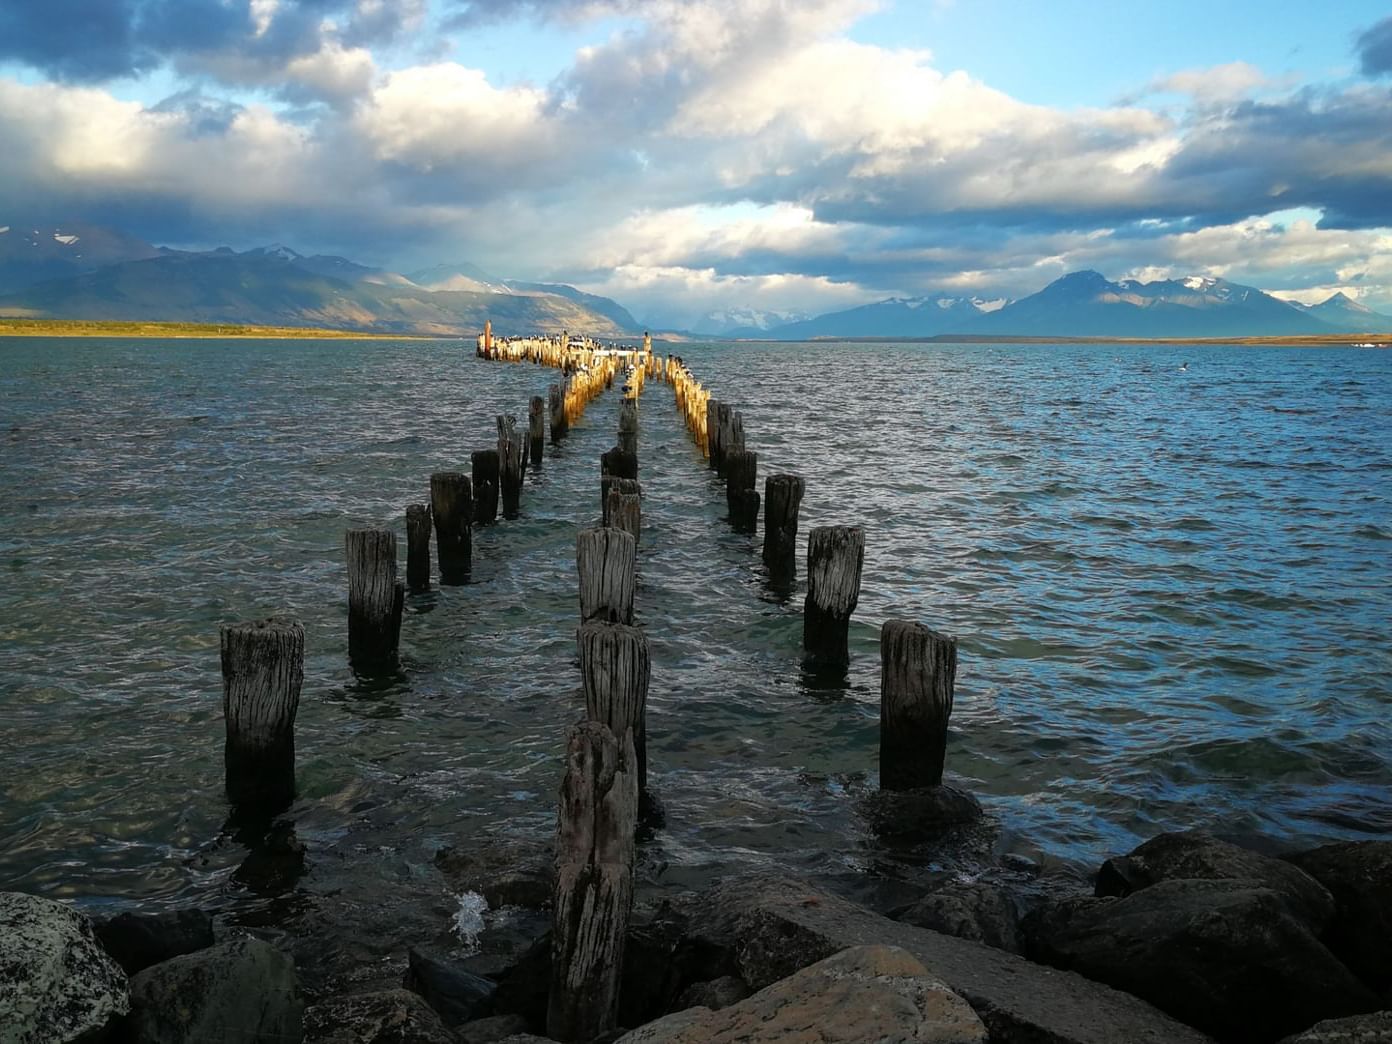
x,y
1170,588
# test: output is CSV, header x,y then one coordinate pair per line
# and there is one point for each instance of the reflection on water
x,y
1170,590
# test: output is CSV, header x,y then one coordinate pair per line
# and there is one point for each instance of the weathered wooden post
x,y
615,670
536,427
782,499
488,337
606,559
742,499
619,463
607,485
375,599
452,505
510,462
835,555
486,470
715,410
625,511
628,426
559,424
918,668
262,672
593,893
418,547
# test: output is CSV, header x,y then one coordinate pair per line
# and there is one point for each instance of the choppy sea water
x,y
1170,585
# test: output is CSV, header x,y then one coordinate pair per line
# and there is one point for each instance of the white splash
x,y
468,920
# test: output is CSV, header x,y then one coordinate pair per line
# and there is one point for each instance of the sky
x,y
687,157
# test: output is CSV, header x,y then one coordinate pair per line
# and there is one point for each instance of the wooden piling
x,y
782,499
628,426
262,672
715,411
615,670
592,897
918,668
375,600
536,427
452,505
625,511
610,483
559,422
741,496
418,547
619,463
835,555
606,560
510,464
486,469
731,436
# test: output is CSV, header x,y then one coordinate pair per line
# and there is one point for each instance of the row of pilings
x,y
605,804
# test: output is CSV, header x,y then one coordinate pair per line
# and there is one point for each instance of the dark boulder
x,y
456,995
505,873
491,1030
975,910
715,994
1194,854
1359,876
1356,1029
138,940
384,1017
1229,957
908,815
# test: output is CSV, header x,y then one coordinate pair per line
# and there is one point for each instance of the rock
x,y
976,910
138,940
384,1017
274,864
456,995
1194,854
56,983
505,873
652,974
522,990
1230,957
238,990
866,993
715,994
1359,876
777,925
1356,1029
491,1030
905,814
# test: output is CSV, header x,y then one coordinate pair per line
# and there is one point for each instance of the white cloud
x,y
1216,84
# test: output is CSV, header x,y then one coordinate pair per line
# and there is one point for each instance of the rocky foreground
x,y
1186,939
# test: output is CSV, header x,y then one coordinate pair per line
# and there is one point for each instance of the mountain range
x,y
87,273
1087,304
93,273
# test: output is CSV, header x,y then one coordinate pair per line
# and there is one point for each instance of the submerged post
x,y
918,668
835,555
605,559
593,893
452,505
418,547
536,427
782,499
375,599
619,463
742,499
559,424
511,463
485,486
614,671
262,672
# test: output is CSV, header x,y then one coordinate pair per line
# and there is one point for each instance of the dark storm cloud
x,y
1375,49
86,42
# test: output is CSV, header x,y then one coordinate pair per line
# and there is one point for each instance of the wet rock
x,y
1230,957
240,990
1356,1029
1359,876
652,974
866,993
523,988
138,940
56,983
1194,854
491,1030
912,814
455,994
384,1017
715,994
775,926
274,864
505,873
978,911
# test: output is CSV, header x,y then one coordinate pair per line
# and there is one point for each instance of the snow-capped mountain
x,y
1347,314
31,254
894,317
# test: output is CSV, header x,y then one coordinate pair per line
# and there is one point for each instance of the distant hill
x,y
276,286
1087,304
30,255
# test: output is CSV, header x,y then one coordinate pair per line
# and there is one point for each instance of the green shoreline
x,y
12,327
